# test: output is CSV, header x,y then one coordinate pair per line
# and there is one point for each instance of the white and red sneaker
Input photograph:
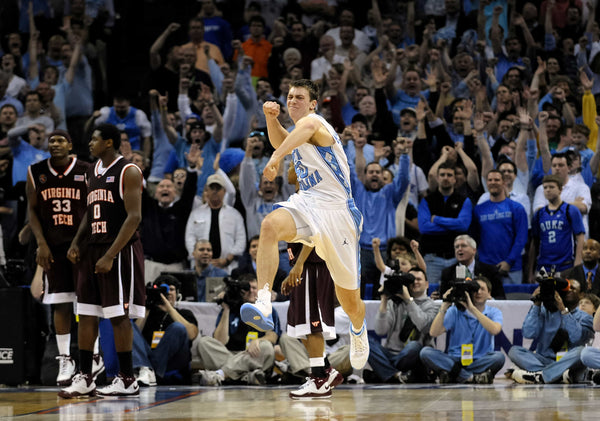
x,y
334,377
121,386
314,388
66,370
82,386
97,365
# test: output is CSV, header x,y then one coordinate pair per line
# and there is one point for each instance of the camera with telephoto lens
x,y
548,285
234,292
13,274
153,292
393,283
461,285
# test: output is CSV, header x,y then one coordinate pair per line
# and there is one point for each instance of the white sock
x,y
359,331
265,294
63,342
97,345
317,362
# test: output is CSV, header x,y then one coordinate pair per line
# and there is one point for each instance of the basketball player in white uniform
x,y
322,214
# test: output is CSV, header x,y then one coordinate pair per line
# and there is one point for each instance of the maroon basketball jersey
x,y
61,197
106,209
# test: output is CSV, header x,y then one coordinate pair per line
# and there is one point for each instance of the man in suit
x,y
587,273
465,249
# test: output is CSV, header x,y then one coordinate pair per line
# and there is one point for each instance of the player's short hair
x,y
312,87
110,131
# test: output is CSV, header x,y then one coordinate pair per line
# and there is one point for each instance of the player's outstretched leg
x,y
359,347
259,314
354,307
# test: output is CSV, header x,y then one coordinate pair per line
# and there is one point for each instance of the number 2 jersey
x,y
106,208
61,198
555,230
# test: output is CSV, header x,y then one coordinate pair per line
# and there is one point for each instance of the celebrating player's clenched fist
x,y
271,109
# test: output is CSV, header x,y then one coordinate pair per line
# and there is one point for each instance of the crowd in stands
x,y
470,128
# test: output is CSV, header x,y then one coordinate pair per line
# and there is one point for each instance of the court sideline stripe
x,y
94,400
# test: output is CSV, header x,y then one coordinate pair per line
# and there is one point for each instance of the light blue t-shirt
x,y
464,328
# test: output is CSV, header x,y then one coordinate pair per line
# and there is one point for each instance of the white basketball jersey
x,y
323,171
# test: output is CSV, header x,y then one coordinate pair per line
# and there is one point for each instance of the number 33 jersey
x,y
61,198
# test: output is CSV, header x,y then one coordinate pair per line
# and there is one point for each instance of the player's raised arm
x,y
302,133
277,133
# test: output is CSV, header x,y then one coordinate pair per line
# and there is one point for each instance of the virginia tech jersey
x,y
61,198
106,208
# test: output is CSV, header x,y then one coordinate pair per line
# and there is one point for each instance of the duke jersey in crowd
x,y
310,163
555,230
61,198
106,208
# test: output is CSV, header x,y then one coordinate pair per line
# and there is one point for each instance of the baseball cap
x,y
197,125
409,110
215,179
193,115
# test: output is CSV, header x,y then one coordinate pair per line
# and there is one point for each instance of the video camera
x,y
460,286
393,283
234,291
153,292
14,274
548,285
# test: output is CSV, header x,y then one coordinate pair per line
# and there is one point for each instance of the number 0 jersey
x,y
106,208
61,198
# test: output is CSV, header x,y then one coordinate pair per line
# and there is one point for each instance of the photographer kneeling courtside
x,y
236,351
405,315
471,326
561,331
162,339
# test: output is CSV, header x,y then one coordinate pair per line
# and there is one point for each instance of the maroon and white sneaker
x,y
334,377
121,386
66,370
314,388
97,365
82,386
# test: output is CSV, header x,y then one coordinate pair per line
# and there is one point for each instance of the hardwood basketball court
x,y
500,401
